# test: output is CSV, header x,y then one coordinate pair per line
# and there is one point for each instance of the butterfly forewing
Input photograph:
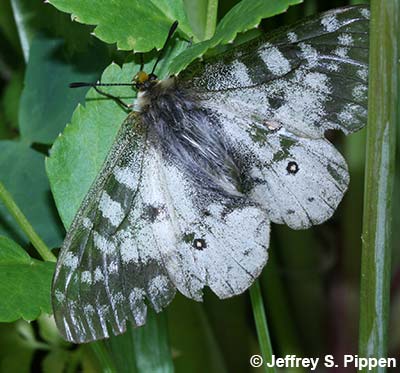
x,y
276,97
310,77
97,286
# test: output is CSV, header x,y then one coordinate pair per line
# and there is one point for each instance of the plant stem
x,y
379,179
261,325
24,224
211,19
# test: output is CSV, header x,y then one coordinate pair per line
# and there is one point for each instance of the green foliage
x,y
141,26
47,103
78,154
245,16
24,283
22,172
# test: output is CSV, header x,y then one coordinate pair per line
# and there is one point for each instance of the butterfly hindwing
x,y
205,240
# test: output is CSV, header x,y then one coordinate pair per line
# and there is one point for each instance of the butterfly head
x,y
144,81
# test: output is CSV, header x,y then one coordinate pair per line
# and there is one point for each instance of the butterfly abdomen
x,y
190,137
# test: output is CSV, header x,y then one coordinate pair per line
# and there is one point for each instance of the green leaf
x,y
47,102
11,99
33,16
193,341
244,16
78,154
132,24
22,172
202,15
24,283
152,349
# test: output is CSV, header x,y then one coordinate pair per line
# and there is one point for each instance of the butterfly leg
x,y
115,98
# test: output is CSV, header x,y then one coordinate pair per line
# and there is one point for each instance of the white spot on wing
x,y
105,246
346,39
59,296
330,23
309,53
292,37
71,261
341,52
365,13
158,285
128,247
241,75
98,275
275,61
363,73
360,91
110,209
86,277
87,223
125,176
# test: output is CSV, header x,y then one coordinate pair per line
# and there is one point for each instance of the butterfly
x,y
204,163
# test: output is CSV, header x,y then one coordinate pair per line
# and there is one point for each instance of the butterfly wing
x,y
275,98
95,288
141,233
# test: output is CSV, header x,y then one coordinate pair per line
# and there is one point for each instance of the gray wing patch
x,y
310,77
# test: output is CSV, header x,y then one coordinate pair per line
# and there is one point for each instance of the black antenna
x,y
170,33
83,84
118,100
141,62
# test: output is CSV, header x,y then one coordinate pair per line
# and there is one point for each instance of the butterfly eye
x,y
199,244
152,77
292,168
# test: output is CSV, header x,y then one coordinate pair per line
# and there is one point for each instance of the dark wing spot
x,y
150,213
292,168
199,244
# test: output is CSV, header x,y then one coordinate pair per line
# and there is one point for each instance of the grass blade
x,y
379,179
261,325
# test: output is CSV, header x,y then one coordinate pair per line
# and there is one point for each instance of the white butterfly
x,y
203,165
